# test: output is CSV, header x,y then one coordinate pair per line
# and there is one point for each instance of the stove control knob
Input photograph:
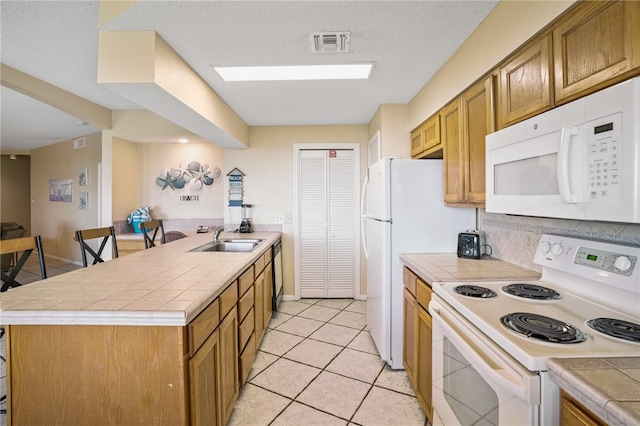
x,y
556,249
545,247
622,263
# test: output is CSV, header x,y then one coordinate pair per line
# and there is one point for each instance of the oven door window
x,y
470,397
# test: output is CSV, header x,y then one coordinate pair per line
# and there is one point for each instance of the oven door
x,y
474,381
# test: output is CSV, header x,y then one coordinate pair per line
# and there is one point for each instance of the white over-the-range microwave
x,y
578,161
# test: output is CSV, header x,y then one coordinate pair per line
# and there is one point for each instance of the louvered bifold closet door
x,y
313,223
327,197
341,229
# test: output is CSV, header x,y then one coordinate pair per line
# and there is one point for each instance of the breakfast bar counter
x,y
165,285
162,336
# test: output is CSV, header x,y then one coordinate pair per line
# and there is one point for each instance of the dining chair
x,y
21,248
82,235
154,225
173,235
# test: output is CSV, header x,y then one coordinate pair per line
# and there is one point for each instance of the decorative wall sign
x,y
195,175
60,190
83,200
83,177
235,187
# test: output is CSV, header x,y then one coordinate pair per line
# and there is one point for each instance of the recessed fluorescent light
x,y
183,140
296,72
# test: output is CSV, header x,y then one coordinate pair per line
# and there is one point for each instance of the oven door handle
x,y
485,357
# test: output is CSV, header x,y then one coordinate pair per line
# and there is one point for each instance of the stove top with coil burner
x,y
531,291
475,291
581,282
543,328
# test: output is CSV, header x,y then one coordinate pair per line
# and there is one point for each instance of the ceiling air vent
x,y
332,42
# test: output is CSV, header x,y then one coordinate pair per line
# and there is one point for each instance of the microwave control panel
x,y
604,159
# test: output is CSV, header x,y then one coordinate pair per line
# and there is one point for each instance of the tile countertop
x,y
164,285
609,387
436,267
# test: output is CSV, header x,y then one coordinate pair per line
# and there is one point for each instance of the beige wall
x,y
268,181
57,221
125,178
509,25
153,158
15,183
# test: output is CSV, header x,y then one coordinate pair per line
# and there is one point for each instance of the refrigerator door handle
x,y
363,214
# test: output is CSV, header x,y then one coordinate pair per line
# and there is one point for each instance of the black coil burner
x,y
531,291
475,291
616,328
543,328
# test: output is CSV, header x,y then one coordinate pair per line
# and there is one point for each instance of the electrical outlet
x,y
528,239
279,218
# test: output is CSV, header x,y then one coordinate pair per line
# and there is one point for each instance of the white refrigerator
x,y
403,212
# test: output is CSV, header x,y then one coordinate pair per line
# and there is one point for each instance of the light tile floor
x,y
316,365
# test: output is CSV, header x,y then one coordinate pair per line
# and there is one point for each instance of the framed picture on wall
x,y
60,190
83,176
83,200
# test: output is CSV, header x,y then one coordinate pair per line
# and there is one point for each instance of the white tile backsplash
x,y
515,238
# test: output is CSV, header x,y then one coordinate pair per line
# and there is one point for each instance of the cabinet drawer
x,y
258,266
247,357
245,330
245,304
228,299
246,280
409,279
202,326
423,294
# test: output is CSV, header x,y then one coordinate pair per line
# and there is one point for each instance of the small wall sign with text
x,y
189,198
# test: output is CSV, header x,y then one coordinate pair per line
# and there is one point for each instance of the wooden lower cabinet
x,y
409,347
204,379
424,371
572,413
417,344
229,383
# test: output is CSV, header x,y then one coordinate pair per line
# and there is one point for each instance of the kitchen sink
x,y
232,245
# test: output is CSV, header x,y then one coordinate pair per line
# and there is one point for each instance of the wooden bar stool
x,y
15,246
155,226
82,235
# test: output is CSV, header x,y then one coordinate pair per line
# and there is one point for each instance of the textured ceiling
x,y
56,41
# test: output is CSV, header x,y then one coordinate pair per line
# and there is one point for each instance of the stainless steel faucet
x,y
216,233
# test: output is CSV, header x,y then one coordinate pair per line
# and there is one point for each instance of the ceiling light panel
x,y
297,72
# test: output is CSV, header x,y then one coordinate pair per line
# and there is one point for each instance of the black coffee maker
x,y
245,225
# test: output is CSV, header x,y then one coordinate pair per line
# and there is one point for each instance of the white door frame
x,y
297,147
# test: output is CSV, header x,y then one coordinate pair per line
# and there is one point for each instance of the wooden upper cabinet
x,y
431,135
416,142
425,140
526,83
465,123
478,120
596,45
451,135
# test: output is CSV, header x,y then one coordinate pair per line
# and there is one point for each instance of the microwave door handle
x,y
363,214
563,165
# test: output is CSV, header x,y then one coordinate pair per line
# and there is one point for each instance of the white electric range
x,y
491,340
